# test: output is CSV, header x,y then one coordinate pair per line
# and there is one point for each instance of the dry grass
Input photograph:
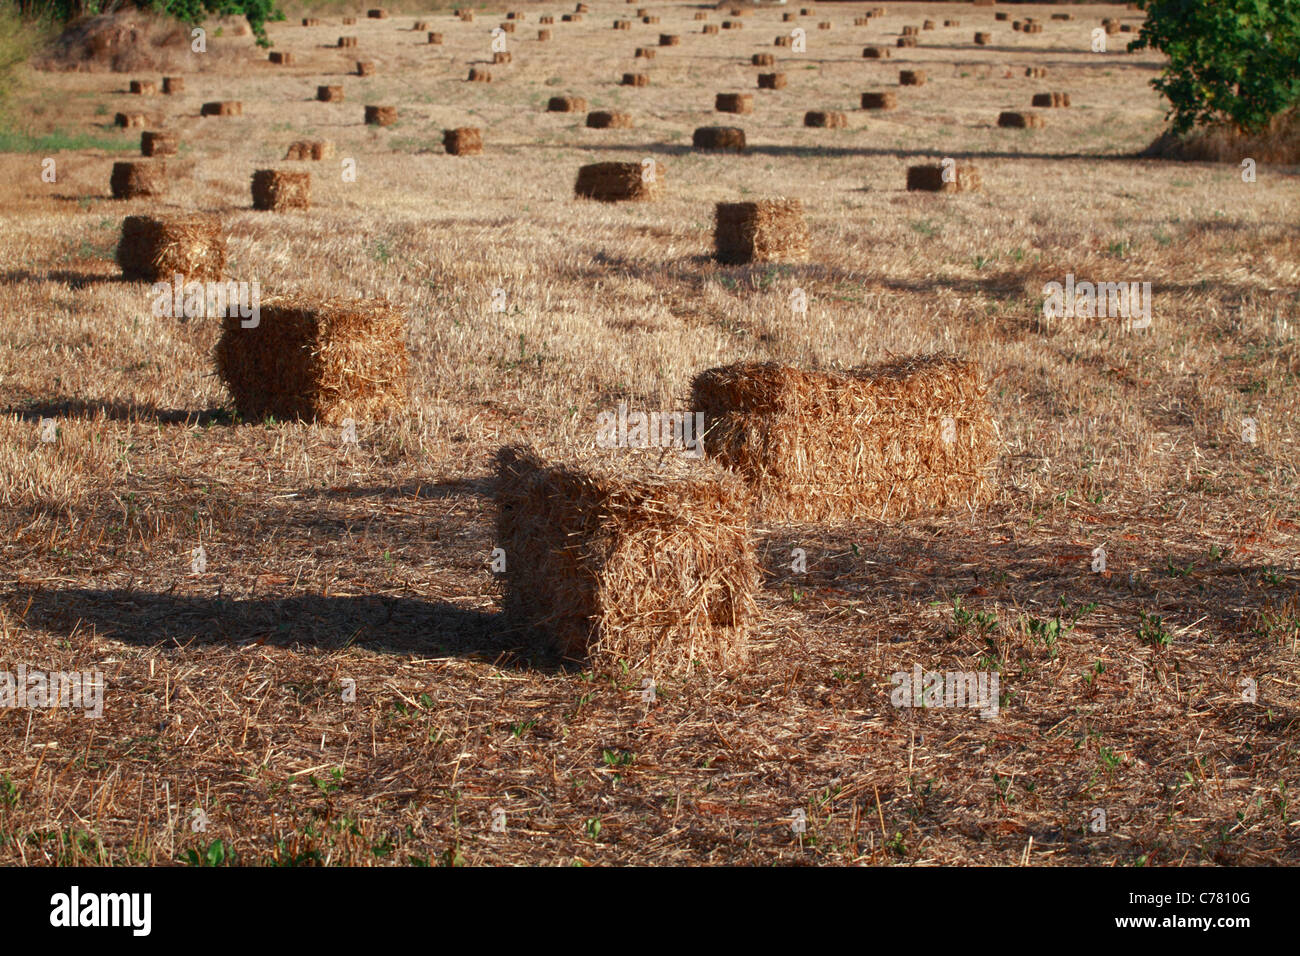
x,y
331,562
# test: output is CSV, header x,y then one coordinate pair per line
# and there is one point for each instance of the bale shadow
x,y
119,412
73,278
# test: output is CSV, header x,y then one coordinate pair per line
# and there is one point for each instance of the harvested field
x,y
1128,563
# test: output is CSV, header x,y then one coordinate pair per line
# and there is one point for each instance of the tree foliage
x,y
1229,60
257,12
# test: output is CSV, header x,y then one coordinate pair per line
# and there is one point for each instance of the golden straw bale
x,y
173,85
308,359
911,77
769,230
138,178
156,249
876,53
314,149
329,94
628,560
223,108
669,39
645,52
1020,120
762,59
734,103
463,141
276,189
434,38
618,182
478,74
566,104
502,57
603,119
144,87
158,143
282,58
1051,99
365,68
983,39
723,138
771,81
131,120
887,100
825,119
636,79
381,115
929,178
892,441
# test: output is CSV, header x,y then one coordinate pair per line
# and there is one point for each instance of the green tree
x,y
257,12
1229,60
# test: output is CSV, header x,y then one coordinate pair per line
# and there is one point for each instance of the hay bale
x,y
275,190
543,35
645,52
546,20
582,8
771,81
463,141
636,79
144,87
880,101
156,143
132,179
131,120
783,40
310,22
508,26
1051,100
345,42
313,149
329,94
156,249
876,53
381,115
365,68
316,360
787,17
669,39
952,23
1034,27
719,138
502,58
650,20
1015,25
906,41
466,16
434,38
983,39
701,15
868,443
862,21
515,15
603,119
709,28
566,104
349,21
928,25
478,74
763,59
571,17
824,25
281,58
627,560
173,85
622,24
222,108
732,25
769,230
1062,16
825,119
911,31
377,14
1001,15
617,182
1018,120
1036,72
734,103
911,77
929,178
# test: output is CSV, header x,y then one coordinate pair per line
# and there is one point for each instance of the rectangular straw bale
x,y
636,79
463,141
313,359
173,85
1051,99
543,35
650,20
701,15
763,59
769,230
1034,27
617,182
282,58
222,108
156,249
566,104
722,138
381,115
645,52
329,94
824,25
349,21
669,39
911,77
158,143
627,560
130,180
277,189
1019,120
734,103
732,25
928,177
478,74
983,39
952,23
310,22
508,26
887,100
502,57
604,119
897,440
377,14
709,28
622,24
365,68
876,53
345,42
144,87
825,119
313,149
928,25
771,81
434,38
131,120
546,21
1036,72
906,41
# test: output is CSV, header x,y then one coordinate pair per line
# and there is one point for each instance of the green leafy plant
x,y
1229,60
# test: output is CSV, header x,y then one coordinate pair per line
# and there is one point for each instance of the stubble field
x,y
225,730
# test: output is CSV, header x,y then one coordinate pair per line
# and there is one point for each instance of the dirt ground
x,y
1161,692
